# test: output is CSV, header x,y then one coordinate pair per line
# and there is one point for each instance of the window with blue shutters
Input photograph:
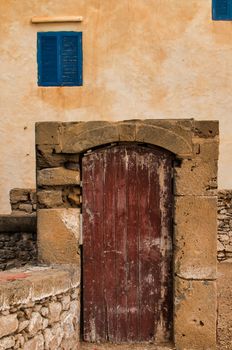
x,y
222,10
59,58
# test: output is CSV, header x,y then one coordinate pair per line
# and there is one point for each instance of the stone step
x,y
108,346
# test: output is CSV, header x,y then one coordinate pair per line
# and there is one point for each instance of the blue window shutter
x,y
71,59
222,10
59,59
47,59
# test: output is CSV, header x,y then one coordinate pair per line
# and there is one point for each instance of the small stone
x,y
45,323
44,311
19,340
66,302
55,309
229,248
74,295
13,309
28,312
58,332
48,337
50,199
21,314
220,246
7,342
36,343
58,176
223,238
222,217
23,325
35,323
37,307
26,207
19,195
8,324
5,312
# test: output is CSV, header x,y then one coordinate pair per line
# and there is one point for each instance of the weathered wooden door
x,y
127,245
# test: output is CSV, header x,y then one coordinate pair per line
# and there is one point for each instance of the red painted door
x,y
127,244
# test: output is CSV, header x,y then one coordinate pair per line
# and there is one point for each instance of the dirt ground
x,y
224,286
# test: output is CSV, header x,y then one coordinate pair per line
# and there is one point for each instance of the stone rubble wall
x,y
40,309
17,249
18,244
224,225
23,201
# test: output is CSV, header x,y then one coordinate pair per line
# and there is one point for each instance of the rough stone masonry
x,y
39,309
224,225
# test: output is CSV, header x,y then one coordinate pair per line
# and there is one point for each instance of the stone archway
x,y
195,144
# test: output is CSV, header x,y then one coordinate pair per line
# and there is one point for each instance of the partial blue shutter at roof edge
x,y
59,59
222,10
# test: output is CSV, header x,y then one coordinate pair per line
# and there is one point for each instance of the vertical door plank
x,y
148,226
98,248
88,259
132,246
110,286
94,312
121,242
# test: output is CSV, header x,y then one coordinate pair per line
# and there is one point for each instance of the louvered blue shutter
x,y
47,59
60,59
222,10
71,59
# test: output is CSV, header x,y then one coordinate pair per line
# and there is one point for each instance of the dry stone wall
x,y
39,309
17,249
23,201
18,244
224,225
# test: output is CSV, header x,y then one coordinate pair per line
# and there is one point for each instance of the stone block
x,y
126,131
195,237
55,309
78,137
195,177
48,133
50,199
195,314
26,207
8,324
7,342
58,235
206,128
46,157
19,195
57,176
169,135
35,324
206,149
36,343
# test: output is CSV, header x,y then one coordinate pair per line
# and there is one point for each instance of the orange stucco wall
x,y
142,59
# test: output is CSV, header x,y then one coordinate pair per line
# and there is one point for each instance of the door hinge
x,y
81,231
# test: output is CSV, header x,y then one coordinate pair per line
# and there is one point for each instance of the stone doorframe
x,y
59,147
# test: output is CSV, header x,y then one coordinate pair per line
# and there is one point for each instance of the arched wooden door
x,y
127,244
